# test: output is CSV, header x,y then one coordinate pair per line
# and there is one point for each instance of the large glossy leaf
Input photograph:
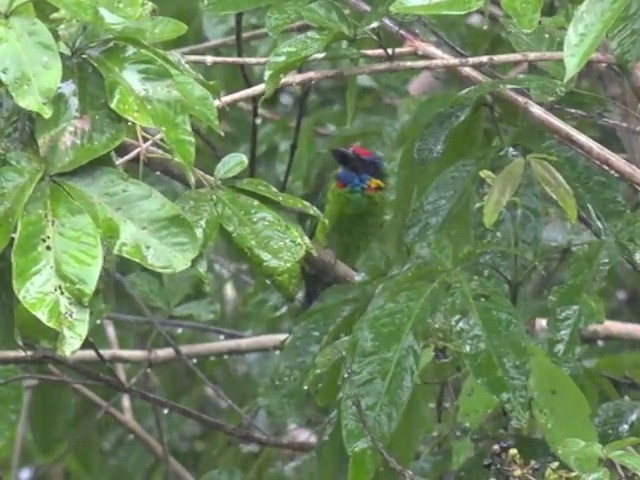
x,y
82,126
490,335
526,13
264,189
384,356
57,258
274,245
144,226
16,184
290,54
574,302
30,65
559,405
503,188
433,7
588,26
144,91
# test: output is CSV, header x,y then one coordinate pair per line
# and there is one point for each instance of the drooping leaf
x,y
16,184
82,126
264,189
144,226
57,258
559,406
555,185
436,7
274,245
144,91
230,166
491,338
503,188
384,357
588,26
290,54
30,64
198,207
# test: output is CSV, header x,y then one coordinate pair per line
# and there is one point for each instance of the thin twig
x,y
240,346
112,338
21,427
244,73
178,324
166,454
393,464
293,148
131,425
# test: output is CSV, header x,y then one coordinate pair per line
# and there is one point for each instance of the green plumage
x,y
353,220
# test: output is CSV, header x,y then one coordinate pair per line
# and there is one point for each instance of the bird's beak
x,y
343,156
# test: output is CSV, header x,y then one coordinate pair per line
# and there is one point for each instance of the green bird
x,y
354,211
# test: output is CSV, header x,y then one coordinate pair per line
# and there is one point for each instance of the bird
x,y
353,211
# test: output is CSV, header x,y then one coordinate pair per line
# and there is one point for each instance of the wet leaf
x,y
198,207
625,35
436,7
588,26
583,457
503,188
230,166
274,245
618,419
16,184
264,189
384,357
234,6
57,258
144,91
30,65
144,226
82,126
526,13
149,30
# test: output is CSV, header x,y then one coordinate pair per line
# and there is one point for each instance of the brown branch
x,y
236,346
399,66
132,426
608,330
230,40
600,155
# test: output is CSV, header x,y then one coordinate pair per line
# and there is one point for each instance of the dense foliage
x,y
158,191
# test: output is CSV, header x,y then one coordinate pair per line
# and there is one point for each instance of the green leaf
x,y
583,457
198,207
265,189
625,34
230,166
575,302
57,258
618,419
16,184
491,338
621,444
91,11
11,401
555,185
630,460
143,90
145,226
148,30
30,65
526,13
326,15
280,16
559,406
503,188
433,140
82,126
588,26
274,245
235,6
384,357
436,7
290,54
